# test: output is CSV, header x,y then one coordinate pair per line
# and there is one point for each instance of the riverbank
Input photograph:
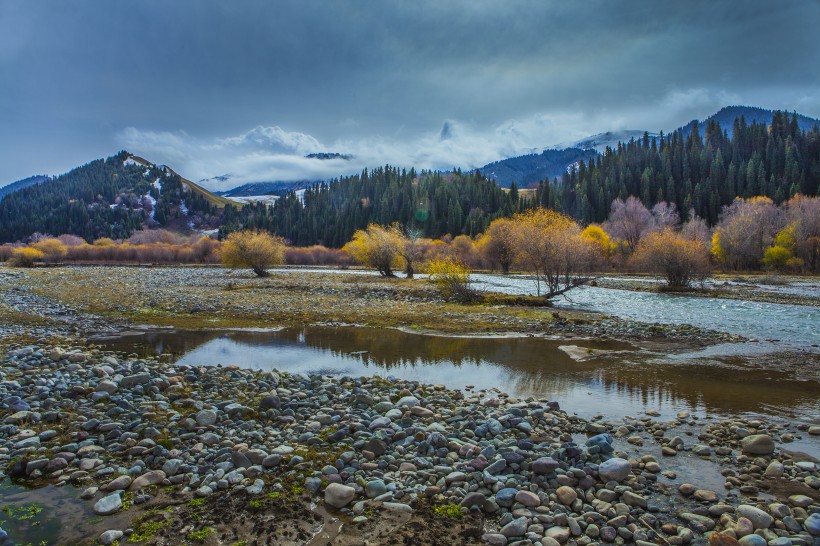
x,y
224,455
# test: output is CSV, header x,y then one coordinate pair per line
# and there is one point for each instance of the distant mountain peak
x,y
329,155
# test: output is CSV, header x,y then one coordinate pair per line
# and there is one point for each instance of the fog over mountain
x,y
253,88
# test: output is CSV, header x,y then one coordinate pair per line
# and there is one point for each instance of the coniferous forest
x,y
697,170
700,172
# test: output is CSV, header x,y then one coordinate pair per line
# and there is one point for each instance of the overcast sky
x,y
250,87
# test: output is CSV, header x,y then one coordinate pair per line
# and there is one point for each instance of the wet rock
x,y
120,483
758,444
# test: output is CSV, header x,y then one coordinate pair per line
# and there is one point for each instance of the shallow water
x,y
783,326
620,381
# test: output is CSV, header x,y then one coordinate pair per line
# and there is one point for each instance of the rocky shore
x,y
231,456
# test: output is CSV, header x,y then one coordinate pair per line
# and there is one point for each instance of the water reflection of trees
x,y
530,366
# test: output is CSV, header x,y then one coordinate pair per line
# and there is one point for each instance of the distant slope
x,y
609,139
209,196
532,168
21,184
752,114
259,188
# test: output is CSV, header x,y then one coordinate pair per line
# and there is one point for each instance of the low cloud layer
x,y
275,154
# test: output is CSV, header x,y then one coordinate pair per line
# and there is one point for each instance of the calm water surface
x,y
622,381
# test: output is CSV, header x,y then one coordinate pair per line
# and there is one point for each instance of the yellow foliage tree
x,y
452,277
25,257
256,250
549,244
498,243
777,258
599,241
53,249
378,247
677,258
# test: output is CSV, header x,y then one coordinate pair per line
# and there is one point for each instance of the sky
x,y
249,87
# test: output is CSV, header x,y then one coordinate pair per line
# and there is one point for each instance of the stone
x,y
107,386
812,524
528,499
134,380
774,470
256,487
545,465
752,540
633,499
419,411
505,497
515,528
615,469
171,466
801,501
566,495
473,499
338,495
108,505
696,520
121,483
758,444
559,534
206,418
494,539
110,537
759,518
603,442
153,477
705,495
374,488
721,539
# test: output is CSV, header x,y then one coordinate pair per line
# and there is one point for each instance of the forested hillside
x,y
329,214
104,198
703,173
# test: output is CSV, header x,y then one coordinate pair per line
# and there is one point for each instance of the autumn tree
x,y
498,244
377,247
628,221
599,242
803,216
673,256
549,244
746,228
256,250
53,249
452,278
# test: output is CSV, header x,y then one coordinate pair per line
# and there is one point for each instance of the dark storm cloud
x,y
382,80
